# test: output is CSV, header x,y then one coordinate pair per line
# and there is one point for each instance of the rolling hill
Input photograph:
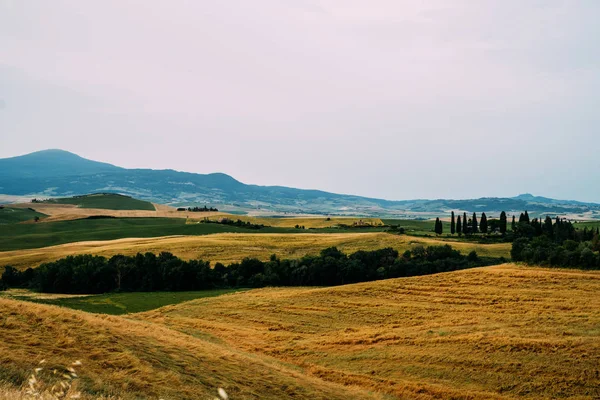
x,y
57,173
501,332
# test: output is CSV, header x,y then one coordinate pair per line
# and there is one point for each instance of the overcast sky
x,y
382,98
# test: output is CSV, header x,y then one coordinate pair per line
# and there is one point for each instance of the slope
x,y
136,359
496,332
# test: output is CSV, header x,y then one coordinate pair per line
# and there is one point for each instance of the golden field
x,y
136,359
498,332
501,332
231,247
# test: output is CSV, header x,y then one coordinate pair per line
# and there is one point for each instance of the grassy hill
x,y
500,332
11,215
50,234
107,201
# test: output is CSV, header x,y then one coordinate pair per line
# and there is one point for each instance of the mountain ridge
x,y
55,173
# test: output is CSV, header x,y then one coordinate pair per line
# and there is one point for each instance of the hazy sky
x,y
382,98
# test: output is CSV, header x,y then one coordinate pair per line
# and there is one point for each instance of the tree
x,y
503,222
474,223
548,229
483,226
438,226
514,223
465,227
526,217
459,226
452,224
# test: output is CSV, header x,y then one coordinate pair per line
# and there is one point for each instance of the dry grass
x,y
136,359
491,333
231,247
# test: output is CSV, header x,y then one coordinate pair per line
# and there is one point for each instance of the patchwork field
x,y
232,247
501,332
67,212
106,201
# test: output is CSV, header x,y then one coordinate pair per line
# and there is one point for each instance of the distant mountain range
x,y
58,173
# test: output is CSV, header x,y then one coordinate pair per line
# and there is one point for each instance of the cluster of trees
x,y
557,230
165,272
239,223
542,250
464,226
197,209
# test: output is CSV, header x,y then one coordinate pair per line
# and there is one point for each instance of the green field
x,y
125,303
106,201
10,215
31,236
591,224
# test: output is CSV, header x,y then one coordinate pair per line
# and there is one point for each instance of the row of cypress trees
x,y
469,226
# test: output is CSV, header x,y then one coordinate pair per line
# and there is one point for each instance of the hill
x,y
105,201
136,359
500,332
489,333
11,215
60,173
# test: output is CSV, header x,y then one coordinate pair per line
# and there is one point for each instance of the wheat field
x,y
498,332
137,359
501,332
232,247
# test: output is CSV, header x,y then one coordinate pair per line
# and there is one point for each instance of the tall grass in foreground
x,y
59,383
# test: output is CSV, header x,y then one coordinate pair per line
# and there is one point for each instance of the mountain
x,y
58,173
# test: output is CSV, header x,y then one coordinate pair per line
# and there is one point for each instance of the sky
x,y
381,98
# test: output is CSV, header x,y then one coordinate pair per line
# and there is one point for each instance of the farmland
x,y
489,333
106,201
12,215
232,247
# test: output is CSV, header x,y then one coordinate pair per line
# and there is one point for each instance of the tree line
x,y
543,250
558,229
197,209
166,272
464,226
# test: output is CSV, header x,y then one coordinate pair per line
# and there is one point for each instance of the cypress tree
x,y
521,218
474,223
459,226
514,224
548,229
441,227
503,222
526,217
452,224
483,227
438,226
465,227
